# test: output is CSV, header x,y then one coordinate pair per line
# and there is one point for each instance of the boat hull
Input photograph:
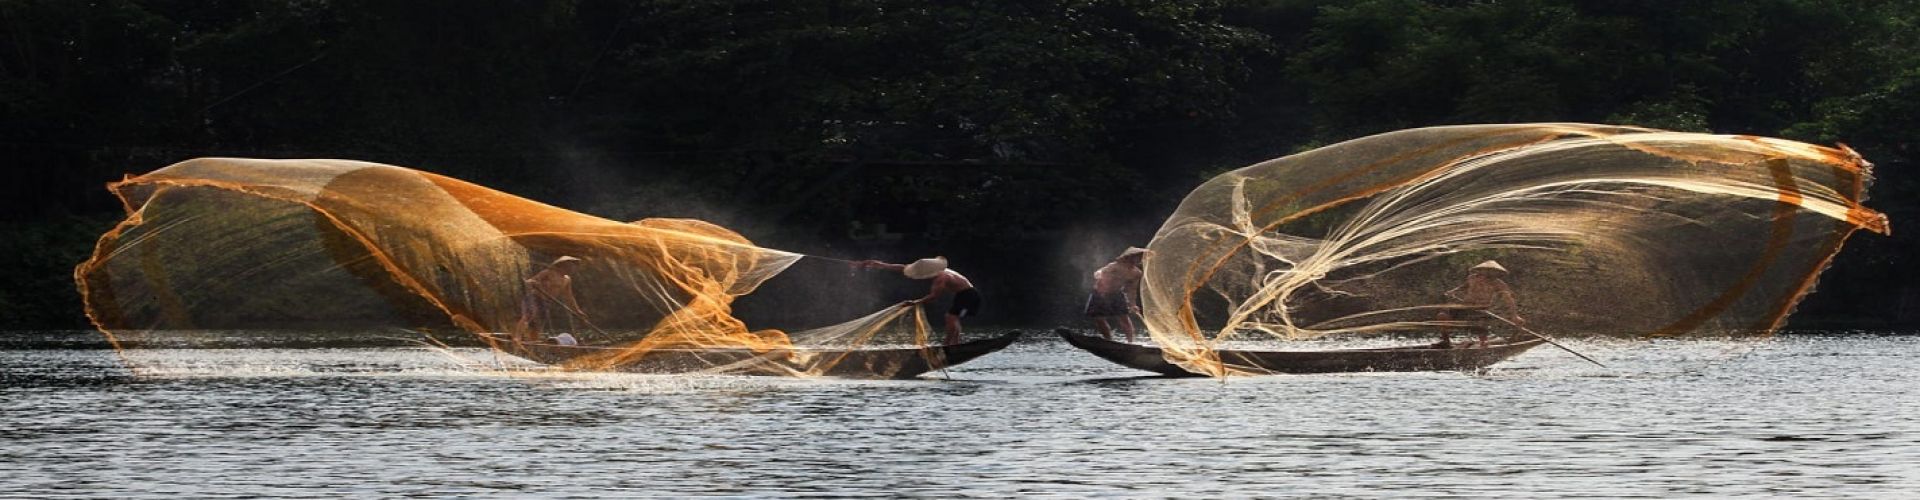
x,y
1399,359
904,363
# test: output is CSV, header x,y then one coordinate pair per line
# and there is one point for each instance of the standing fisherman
x,y
1116,293
966,300
547,288
1474,299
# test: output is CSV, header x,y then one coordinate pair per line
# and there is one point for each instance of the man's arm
x,y
874,264
1131,291
940,285
566,292
1513,304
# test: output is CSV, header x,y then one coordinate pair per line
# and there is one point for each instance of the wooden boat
x,y
1391,359
884,363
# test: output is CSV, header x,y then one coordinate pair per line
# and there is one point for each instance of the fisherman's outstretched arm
x,y
567,293
874,264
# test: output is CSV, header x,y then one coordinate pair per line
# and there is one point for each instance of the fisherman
x,y
1116,293
966,299
549,287
1475,299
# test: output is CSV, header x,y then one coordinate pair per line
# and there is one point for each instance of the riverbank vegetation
x,y
1026,140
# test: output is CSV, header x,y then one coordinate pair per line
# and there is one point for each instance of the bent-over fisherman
x,y
1116,293
1473,300
966,299
548,288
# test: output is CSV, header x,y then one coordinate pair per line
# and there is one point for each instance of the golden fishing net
x,y
222,243
1606,230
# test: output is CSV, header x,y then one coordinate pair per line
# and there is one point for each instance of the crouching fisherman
x,y
1116,293
547,289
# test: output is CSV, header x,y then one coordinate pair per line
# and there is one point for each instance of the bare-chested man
x,y
1483,291
1116,293
547,289
966,300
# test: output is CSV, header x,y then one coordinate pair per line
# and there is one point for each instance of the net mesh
x,y
1605,230
222,243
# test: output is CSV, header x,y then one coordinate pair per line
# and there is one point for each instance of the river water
x,y
1797,416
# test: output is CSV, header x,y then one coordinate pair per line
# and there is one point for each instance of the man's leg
x,y
1127,321
953,329
526,330
1100,324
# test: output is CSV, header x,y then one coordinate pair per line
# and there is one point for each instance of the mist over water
x,y
1798,416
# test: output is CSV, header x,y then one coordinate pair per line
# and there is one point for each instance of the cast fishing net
x,y
1607,230
220,243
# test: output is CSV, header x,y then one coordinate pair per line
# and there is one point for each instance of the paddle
x,y
1542,337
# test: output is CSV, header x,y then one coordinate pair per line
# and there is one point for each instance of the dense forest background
x,y
1028,140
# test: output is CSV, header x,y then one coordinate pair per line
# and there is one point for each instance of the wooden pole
x,y
570,310
1542,337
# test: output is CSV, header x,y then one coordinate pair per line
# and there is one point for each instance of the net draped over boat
x,y
1605,230
223,243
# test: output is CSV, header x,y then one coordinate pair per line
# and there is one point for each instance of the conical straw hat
x,y
565,259
1131,251
1490,266
925,268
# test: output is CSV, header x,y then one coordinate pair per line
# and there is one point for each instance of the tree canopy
x,y
1025,137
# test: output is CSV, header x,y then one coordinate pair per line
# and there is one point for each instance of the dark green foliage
x,y
32,257
986,130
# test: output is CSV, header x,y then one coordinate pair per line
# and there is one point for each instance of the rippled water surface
x,y
1799,416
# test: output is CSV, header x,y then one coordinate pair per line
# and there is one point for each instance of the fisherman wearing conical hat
x,y
1116,293
1483,293
966,300
550,288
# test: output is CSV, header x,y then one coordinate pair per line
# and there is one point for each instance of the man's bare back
x,y
1483,291
551,283
948,282
1115,277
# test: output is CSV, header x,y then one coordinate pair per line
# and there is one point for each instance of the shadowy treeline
x,y
1027,140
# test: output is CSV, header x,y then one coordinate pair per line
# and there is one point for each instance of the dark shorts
x,y
1103,305
965,303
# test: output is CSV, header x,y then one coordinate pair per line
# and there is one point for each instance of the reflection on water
x,y
1799,416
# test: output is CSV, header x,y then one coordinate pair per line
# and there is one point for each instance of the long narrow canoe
x,y
895,363
1392,359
